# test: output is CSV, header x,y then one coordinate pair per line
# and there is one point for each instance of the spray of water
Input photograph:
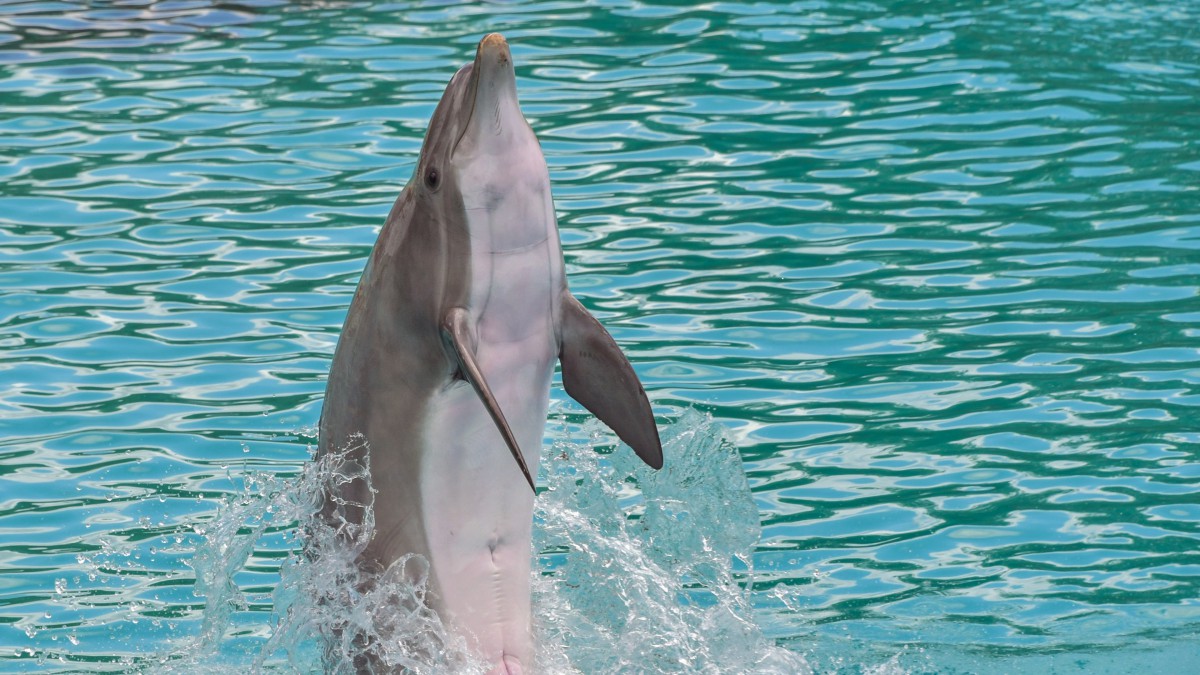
x,y
645,571
325,598
637,570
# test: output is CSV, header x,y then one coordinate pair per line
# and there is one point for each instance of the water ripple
x,y
934,271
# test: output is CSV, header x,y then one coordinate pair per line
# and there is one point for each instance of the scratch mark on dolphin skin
x,y
519,249
498,595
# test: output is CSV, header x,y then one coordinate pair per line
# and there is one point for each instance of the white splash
x,y
638,571
646,571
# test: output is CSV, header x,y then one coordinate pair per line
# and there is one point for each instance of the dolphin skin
x,y
445,360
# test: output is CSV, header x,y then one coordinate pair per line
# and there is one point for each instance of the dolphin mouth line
x,y
467,126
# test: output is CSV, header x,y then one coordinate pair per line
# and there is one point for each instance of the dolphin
x,y
445,360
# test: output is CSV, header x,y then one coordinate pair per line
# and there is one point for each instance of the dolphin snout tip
x,y
495,45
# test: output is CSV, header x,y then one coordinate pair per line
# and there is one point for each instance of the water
x,y
931,268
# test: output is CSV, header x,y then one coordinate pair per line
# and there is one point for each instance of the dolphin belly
x,y
478,530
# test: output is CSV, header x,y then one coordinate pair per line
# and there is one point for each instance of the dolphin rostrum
x,y
445,360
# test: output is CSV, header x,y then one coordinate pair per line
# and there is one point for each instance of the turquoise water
x,y
932,267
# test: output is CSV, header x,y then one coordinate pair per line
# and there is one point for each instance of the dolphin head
x,y
478,121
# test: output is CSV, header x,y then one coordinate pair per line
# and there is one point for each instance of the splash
x,y
358,616
645,571
638,571
328,615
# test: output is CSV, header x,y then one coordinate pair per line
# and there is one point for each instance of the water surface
x,y
932,267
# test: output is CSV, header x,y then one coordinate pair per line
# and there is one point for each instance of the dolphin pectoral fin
x,y
456,330
596,373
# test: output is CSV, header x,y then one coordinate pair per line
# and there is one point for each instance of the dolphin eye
x,y
432,178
